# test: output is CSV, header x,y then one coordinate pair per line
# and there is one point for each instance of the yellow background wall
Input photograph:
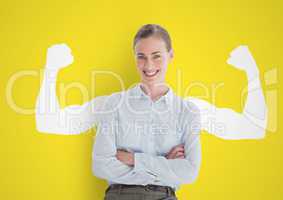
x,y
44,167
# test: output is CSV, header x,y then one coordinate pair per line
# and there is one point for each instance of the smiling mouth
x,y
150,74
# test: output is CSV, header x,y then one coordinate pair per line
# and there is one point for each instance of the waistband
x,y
149,187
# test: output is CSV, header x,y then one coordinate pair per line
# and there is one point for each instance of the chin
x,y
151,81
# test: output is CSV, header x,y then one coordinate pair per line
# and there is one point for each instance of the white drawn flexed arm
x,y
50,117
222,122
226,123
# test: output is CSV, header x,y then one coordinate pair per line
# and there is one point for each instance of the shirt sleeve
x,y
105,165
177,171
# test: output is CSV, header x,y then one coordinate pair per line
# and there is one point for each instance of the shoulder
x,y
114,100
190,106
186,105
190,111
106,107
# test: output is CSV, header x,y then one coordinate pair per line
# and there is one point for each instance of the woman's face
x,y
152,59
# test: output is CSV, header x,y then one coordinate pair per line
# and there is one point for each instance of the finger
x,y
179,146
123,150
179,154
170,156
118,154
182,157
175,153
118,150
176,149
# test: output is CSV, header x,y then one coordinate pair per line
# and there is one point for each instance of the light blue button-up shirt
x,y
150,129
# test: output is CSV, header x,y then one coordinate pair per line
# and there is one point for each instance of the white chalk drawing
x,y
224,123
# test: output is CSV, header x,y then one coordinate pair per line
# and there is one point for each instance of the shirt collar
x,y
168,97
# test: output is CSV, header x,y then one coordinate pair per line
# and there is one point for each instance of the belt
x,y
166,189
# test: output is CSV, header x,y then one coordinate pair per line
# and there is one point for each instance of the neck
x,y
155,90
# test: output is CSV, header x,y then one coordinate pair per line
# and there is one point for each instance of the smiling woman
x,y
152,152
153,50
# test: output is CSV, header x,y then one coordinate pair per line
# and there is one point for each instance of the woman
x,y
149,145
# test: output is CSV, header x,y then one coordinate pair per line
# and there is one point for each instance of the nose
x,y
149,64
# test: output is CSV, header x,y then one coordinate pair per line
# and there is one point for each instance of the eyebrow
x,y
155,52
151,53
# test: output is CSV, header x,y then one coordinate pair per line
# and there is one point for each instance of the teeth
x,y
151,73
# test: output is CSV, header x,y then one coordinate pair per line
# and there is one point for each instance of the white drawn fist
x,y
241,58
58,56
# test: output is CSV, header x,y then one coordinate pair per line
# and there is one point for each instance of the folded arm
x,y
105,164
176,171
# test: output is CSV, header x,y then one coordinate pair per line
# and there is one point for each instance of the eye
x,y
156,56
140,57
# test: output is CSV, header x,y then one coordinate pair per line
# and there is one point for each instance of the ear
x,y
171,54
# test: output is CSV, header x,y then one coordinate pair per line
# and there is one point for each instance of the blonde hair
x,y
148,30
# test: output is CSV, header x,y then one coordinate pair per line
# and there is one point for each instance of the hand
x,y
176,152
126,157
242,59
58,56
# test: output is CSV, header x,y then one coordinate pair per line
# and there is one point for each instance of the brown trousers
x,y
136,193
